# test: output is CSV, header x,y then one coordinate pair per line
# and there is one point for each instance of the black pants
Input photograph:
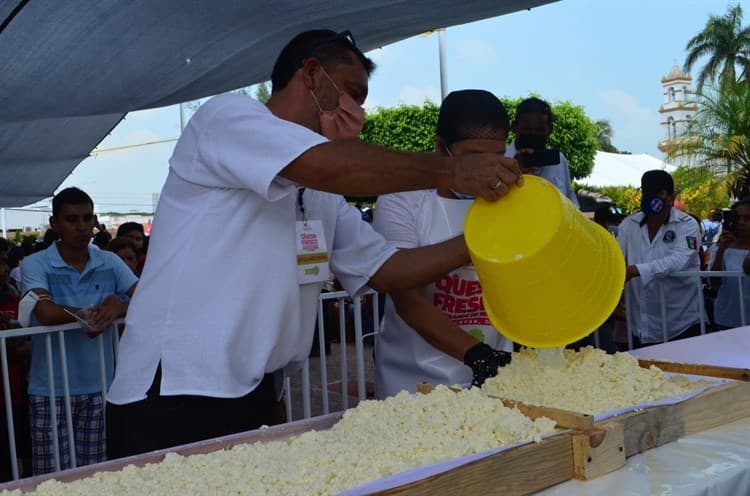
x,y
691,332
160,422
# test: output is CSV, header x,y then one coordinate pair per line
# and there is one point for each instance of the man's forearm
x,y
414,267
718,264
357,168
50,313
432,324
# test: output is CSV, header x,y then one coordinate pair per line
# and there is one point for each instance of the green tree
x,y
718,138
575,135
412,128
408,128
263,92
726,43
628,198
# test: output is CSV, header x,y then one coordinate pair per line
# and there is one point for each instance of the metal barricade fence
x,y
48,332
301,394
300,388
699,278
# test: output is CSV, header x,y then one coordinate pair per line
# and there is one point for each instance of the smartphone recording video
x,y
730,221
539,158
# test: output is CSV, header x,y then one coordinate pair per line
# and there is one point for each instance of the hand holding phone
x,y
84,317
730,222
539,158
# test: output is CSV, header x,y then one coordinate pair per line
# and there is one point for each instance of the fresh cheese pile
x,y
375,440
588,381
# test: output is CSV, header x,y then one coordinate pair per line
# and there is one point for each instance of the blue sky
x,y
605,55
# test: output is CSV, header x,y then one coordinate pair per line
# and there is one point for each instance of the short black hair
x,y
70,196
536,105
120,243
50,236
656,181
126,227
470,114
329,47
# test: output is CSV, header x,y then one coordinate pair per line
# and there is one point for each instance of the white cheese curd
x,y
375,440
588,381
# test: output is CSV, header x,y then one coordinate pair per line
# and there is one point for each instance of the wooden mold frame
x,y
596,448
585,450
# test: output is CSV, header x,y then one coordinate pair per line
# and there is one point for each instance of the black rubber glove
x,y
484,362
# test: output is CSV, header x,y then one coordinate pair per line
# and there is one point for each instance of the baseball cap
x,y
655,181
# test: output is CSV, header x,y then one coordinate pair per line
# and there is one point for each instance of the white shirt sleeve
x,y
568,183
358,251
236,142
396,219
622,237
679,258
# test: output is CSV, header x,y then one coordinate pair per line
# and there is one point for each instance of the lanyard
x,y
301,204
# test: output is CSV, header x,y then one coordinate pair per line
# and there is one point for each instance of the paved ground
x,y
333,367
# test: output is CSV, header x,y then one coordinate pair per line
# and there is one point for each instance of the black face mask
x,y
533,141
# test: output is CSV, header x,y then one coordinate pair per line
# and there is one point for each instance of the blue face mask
x,y
458,195
652,205
613,229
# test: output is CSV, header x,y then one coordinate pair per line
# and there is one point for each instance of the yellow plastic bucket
x,y
549,275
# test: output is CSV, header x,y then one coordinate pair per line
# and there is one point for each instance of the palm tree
x,y
726,43
718,138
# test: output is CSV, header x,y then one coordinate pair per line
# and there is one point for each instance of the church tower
x,y
678,108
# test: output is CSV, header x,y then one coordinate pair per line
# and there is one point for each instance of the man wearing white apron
x,y
440,333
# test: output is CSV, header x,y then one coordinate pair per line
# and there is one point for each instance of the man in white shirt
x,y
657,242
244,202
532,125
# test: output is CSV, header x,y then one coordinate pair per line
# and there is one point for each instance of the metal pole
x,y
443,69
322,355
344,358
9,410
359,348
5,232
182,116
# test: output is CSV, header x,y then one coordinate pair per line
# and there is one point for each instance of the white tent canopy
x,y
616,169
72,69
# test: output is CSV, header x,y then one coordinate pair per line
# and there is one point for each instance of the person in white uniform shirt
x,y
440,333
727,254
533,125
658,241
196,364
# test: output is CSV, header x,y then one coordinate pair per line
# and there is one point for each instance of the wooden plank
x,y
652,427
275,433
598,451
564,418
522,470
736,374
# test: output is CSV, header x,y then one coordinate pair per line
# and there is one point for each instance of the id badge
x,y
312,252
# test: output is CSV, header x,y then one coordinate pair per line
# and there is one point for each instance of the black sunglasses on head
x,y
343,35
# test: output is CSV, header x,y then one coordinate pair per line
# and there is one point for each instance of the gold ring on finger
x,y
498,183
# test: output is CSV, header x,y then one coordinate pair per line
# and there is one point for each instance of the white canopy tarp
x,y
617,169
71,69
